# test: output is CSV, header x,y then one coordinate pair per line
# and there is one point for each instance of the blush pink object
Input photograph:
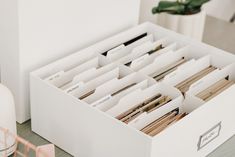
x,y
40,151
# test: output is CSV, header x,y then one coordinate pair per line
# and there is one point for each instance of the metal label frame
x,y
200,145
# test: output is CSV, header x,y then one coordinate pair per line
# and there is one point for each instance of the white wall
x,y
222,9
9,46
36,32
146,10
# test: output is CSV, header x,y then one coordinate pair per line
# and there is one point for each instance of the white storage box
x,y
85,124
35,33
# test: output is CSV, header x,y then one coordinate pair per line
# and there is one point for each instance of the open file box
x,y
83,129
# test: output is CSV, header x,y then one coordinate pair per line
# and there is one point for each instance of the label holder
x,y
209,136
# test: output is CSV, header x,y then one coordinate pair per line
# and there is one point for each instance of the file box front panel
x,y
86,131
212,121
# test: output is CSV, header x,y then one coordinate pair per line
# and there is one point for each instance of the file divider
x,y
224,73
117,85
106,105
142,61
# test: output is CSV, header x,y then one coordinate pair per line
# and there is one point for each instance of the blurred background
x,y
217,26
221,9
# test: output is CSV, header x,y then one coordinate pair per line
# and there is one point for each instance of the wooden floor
x,y
217,33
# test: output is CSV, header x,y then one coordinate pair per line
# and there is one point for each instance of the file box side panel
x,y
80,129
201,132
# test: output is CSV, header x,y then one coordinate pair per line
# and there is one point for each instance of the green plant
x,y
182,7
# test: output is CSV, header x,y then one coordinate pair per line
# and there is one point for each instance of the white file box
x,y
34,33
83,129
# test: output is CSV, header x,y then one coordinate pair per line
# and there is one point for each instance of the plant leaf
x,y
183,7
171,7
197,3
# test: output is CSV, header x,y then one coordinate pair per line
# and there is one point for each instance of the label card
x,y
209,136
74,87
102,100
55,76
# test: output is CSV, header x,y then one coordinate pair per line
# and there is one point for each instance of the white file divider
x,y
84,129
103,91
67,76
89,74
129,101
187,70
142,50
91,85
125,103
227,71
165,60
192,101
115,85
114,55
35,33
106,105
70,76
141,62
